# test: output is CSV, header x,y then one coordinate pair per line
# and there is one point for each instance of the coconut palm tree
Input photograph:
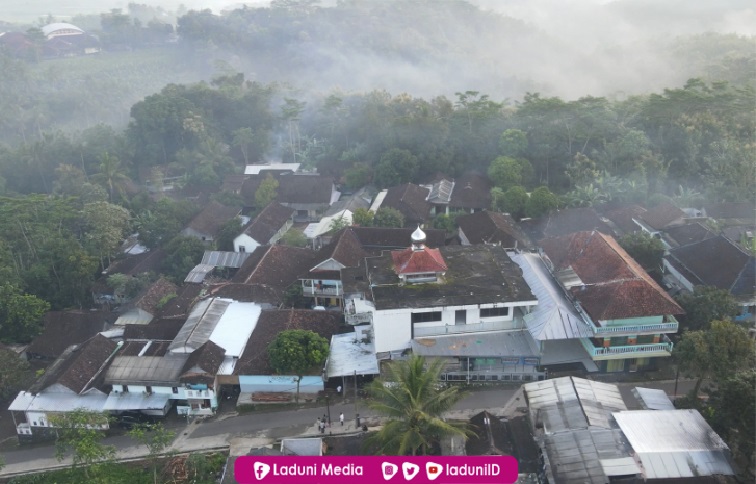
x,y
111,176
414,400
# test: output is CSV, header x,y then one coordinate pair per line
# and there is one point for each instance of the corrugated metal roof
x,y
653,399
218,258
674,443
58,402
137,370
554,317
598,400
324,225
577,456
227,366
302,446
441,191
256,169
136,401
569,403
622,466
199,325
556,352
198,274
22,401
235,326
348,355
509,343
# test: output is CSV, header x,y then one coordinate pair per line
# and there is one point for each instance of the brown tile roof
x,y
259,293
410,200
292,189
254,360
144,348
688,234
662,216
150,297
567,221
77,368
471,191
212,218
614,286
250,264
162,329
486,227
233,183
132,265
180,306
203,364
65,328
411,261
395,238
344,247
739,210
280,267
268,222
718,262
623,217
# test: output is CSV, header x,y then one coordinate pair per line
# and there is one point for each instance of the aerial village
x,y
553,308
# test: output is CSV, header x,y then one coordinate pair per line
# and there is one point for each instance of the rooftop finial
x,y
418,239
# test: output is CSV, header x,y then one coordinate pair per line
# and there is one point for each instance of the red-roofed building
x,y
629,313
418,262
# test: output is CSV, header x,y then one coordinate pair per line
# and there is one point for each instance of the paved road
x,y
277,424
294,422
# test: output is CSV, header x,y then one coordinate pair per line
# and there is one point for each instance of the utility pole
x,y
356,415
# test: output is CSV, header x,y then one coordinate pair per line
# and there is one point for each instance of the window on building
x,y
428,317
125,388
149,389
242,248
175,389
424,277
493,312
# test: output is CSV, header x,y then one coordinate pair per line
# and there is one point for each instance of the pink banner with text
x,y
376,469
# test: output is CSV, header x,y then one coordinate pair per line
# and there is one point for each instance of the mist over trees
x,y
503,49
380,93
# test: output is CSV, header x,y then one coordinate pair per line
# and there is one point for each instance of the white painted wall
x,y
248,242
393,328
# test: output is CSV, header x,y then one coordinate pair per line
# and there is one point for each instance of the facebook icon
x,y
261,470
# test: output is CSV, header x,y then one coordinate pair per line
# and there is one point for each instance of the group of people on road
x,y
323,422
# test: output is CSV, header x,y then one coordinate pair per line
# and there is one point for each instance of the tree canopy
x,y
415,402
717,352
704,305
297,352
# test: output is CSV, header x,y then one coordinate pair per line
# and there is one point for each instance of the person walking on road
x,y
341,418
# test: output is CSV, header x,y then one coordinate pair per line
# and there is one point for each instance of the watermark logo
x,y
433,470
261,470
410,470
389,470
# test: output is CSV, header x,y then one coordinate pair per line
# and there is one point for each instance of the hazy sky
x,y
597,47
577,16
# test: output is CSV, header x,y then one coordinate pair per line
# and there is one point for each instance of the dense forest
x,y
71,195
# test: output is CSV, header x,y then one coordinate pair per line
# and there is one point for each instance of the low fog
x,y
565,48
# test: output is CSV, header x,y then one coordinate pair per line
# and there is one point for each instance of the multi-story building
x,y
463,304
628,313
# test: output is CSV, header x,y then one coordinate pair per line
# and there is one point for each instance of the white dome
x,y
418,236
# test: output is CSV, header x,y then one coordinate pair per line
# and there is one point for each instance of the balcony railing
x,y
670,327
463,328
323,291
664,347
359,318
